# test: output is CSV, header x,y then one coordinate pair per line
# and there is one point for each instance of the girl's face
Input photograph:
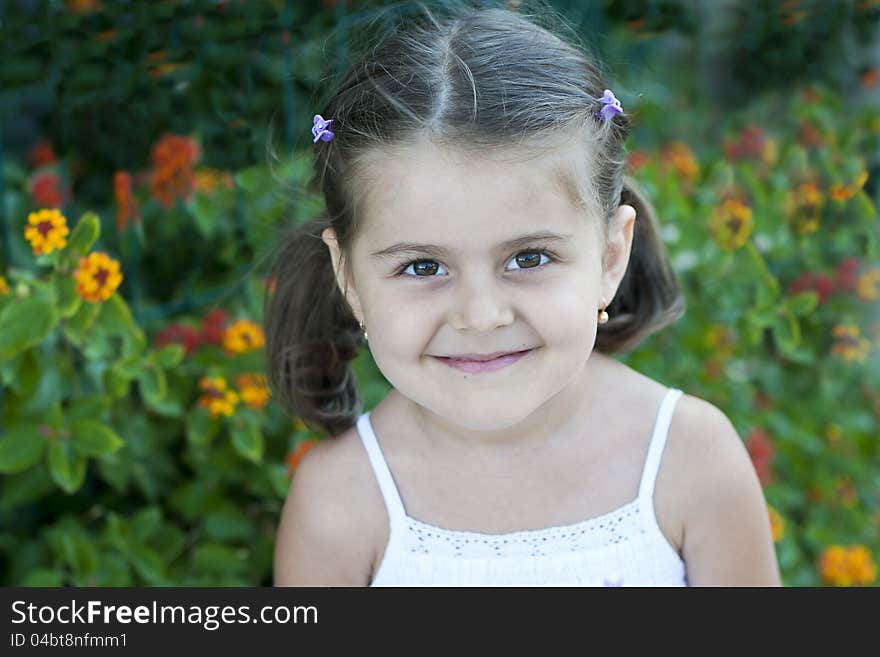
x,y
478,284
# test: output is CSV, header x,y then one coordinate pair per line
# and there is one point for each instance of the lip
x,y
492,365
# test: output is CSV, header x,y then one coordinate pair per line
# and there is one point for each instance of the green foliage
x,y
125,461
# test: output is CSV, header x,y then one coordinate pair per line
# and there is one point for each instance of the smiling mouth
x,y
492,365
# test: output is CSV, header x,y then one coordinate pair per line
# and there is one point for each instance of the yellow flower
x,y
46,231
777,524
207,180
845,566
803,207
868,285
254,390
731,223
97,277
216,398
681,158
299,425
770,151
720,340
4,288
243,335
841,192
850,345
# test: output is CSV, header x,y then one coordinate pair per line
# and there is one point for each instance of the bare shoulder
x,y
327,515
726,536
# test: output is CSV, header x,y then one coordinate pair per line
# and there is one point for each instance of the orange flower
x,y
847,566
254,390
637,159
172,176
215,397
682,160
243,336
4,288
46,231
777,524
97,277
126,203
870,77
850,345
296,456
840,192
731,223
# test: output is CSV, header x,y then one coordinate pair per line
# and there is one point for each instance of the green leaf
x,y
42,577
94,438
21,447
27,374
67,299
76,328
168,356
88,407
217,559
84,235
247,440
25,324
201,428
802,303
153,385
67,467
115,383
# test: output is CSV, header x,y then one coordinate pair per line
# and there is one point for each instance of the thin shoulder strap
x,y
658,441
393,502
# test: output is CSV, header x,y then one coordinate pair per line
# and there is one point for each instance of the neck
x,y
561,418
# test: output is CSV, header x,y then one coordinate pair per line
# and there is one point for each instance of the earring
x,y
365,332
603,316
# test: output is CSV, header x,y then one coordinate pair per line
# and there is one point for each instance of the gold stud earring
x,y
365,332
603,316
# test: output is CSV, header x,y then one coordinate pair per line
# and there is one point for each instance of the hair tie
x,y
611,106
319,129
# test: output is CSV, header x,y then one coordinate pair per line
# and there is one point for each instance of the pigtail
x,y
311,334
649,296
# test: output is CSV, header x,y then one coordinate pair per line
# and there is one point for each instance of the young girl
x,y
481,238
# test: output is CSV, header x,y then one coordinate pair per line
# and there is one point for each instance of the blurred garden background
x,y
151,152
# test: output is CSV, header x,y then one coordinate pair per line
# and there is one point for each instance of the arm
x,y
727,536
317,543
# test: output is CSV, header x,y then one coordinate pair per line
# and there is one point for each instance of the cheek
x,y
402,322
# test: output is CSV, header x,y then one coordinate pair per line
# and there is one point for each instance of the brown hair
x,y
473,78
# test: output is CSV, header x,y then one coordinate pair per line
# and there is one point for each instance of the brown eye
x,y
530,260
420,269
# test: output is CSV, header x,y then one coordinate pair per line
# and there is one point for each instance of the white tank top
x,y
624,547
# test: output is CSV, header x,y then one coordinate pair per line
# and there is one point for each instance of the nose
x,y
480,306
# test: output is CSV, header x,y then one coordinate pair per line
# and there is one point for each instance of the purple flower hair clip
x,y
319,130
611,106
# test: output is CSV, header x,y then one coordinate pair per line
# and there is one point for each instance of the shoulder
x,y
726,536
327,515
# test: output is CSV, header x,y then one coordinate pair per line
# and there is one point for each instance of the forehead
x,y
422,189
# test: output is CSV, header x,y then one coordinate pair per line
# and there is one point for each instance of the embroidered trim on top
x,y
613,527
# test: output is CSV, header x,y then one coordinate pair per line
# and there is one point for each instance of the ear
x,y
343,277
615,256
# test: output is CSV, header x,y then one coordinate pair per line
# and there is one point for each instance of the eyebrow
x,y
431,250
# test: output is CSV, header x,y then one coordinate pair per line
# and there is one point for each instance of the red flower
x,y
637,159
47,192
213,326
42,153
809,135
180,334
846,275
822,284
761,451
126,203
750,144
